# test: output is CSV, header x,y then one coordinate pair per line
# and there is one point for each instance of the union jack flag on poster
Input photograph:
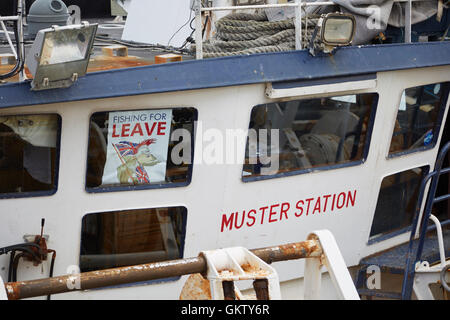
x,y
127,148
141,175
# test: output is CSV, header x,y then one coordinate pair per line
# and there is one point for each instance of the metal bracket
x,y
225,266
334,262
424,276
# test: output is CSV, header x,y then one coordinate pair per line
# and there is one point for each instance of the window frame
x,y
41,193
366,149
123,188
402,230
436,129
147,282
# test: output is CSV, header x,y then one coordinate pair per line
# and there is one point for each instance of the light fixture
x,y
60,55
338,29
333,30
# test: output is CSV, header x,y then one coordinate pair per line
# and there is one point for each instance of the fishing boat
x,y
308,172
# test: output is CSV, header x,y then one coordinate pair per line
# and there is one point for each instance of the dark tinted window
x,y
130,237
419,117
29,149
397,201
307,134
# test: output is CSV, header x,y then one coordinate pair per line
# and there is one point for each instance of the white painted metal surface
x,y
220,109
319,89
336,266
3,295
426,275
440,239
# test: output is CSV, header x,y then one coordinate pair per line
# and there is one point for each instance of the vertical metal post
x,y
198,29
261,287
440,239
408,12
336,266
228,290
8,38
312,279
298,25
21,53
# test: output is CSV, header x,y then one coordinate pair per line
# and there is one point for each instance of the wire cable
x,y
189,20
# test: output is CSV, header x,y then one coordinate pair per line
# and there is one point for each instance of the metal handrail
x,y
18,33
421,227
311,248
440,238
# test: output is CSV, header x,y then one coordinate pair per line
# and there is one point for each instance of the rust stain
x,y
196,288
247,267
333,62
13,290
305,248
226,273
254,270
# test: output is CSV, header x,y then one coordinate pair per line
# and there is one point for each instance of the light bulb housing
x,y
338,29
60,55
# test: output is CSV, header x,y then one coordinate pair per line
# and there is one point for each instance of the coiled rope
x,y
244,33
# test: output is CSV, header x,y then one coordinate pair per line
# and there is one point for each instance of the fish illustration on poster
x,y
138,142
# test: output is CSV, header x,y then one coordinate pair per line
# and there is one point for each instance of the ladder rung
x,y
441,198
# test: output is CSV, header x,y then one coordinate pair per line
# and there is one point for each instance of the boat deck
x,y
109,34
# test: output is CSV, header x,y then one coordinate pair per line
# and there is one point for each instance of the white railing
x,y
198,9
20,54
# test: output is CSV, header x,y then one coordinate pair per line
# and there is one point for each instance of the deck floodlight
x,y
333,30
60,55
338,29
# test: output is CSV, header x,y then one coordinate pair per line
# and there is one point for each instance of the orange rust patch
x,y
13,291
305,248
252,269
196,288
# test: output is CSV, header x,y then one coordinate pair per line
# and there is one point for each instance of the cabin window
x,y
130,237
397,202
419,118
140,149
29,152
303,135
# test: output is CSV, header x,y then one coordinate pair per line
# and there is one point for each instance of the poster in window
x,y
137,147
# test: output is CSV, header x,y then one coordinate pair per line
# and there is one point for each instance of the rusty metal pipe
x,y
146,272
291,251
